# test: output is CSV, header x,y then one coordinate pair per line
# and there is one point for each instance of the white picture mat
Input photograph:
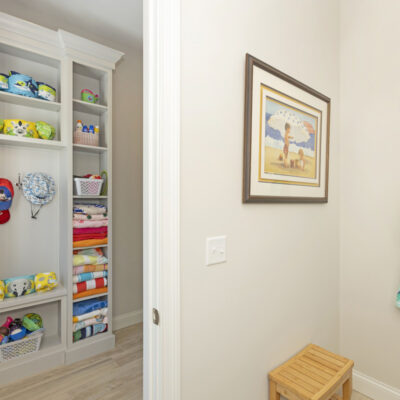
x,y
259,188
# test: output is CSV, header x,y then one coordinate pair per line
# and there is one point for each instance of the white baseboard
x,y
373,388
128,319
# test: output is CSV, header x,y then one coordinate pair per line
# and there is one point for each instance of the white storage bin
x,y
19,348
88,187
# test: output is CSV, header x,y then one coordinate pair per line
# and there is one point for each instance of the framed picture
x,y
286,138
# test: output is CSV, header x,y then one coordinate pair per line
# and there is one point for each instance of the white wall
x,y
279,289
118,25
370,190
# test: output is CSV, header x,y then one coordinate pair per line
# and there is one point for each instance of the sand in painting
x,y
274,165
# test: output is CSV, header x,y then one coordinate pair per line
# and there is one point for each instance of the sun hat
x,y
6,196
39,189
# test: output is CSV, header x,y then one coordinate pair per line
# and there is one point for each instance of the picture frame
x,y
286,138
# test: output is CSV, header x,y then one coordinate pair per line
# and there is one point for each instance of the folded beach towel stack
x,y
90,225
90,272
89,318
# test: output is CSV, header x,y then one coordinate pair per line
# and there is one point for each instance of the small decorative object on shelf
x,y
28,284
28,129
25,85
46,92
3,82
21,84
83,135
88,185
88,96
21,128
19,337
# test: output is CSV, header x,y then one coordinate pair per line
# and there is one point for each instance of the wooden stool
x,y
313,374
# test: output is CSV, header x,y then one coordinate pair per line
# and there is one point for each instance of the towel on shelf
x,y
89,243
87,306
90,314
89,331
89,231
86,217
90,209
89,285
91,292
81,269
89,257
87,276
89,223
88,322
89,236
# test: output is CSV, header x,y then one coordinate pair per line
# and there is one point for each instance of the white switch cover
x,y
216,250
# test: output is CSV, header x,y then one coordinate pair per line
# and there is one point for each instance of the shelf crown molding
x,y
24,34
74,44
18,32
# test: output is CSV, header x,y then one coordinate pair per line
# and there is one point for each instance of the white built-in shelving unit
x,y
27,246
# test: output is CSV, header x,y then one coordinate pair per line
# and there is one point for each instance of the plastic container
x,y
19,348
87,138
88,187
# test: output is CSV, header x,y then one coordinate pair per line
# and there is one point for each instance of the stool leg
x,y
347,389
273,394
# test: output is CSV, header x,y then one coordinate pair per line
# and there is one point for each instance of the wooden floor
x,y
116,374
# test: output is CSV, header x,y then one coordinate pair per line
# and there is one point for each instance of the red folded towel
x,y
84,231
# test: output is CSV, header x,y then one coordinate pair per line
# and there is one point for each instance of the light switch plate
x,y
215,250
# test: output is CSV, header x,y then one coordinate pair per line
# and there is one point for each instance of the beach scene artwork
x,y
290,142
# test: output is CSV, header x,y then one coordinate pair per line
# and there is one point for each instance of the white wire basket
x,y
88,187
29,344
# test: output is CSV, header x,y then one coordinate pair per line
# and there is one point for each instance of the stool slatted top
x,y
312,374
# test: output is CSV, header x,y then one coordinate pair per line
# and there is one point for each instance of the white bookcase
x,y
69,63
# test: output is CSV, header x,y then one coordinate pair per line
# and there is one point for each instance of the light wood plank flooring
x,y
116,374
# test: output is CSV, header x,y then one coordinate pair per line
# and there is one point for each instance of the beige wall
x,y
91,19
370,191
279,289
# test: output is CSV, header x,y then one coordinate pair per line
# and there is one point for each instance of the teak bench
x,y
312,374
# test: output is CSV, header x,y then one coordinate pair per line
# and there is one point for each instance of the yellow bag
x,y
21,128
45,281
2,290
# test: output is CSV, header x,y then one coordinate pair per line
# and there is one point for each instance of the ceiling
x,y
115,23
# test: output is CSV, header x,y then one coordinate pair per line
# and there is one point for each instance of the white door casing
x,y
161,193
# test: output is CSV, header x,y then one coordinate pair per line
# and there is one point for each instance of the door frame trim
x,y
161,194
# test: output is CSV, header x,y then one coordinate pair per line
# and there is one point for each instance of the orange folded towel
x,y
90,242
90,292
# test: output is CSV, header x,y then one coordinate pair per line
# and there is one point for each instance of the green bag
x,y
45,130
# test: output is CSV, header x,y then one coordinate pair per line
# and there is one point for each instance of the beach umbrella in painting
x,y
298,130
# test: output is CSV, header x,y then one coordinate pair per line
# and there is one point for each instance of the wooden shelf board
x,y
91,297
89,108
33,299
89,149
29,142
89,197
92,339
29,101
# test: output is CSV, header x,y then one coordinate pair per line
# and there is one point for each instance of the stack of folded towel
x,y
90,225
89,318
90,273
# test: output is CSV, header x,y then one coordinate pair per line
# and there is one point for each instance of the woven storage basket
x,y
88,187
89,139
19,348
